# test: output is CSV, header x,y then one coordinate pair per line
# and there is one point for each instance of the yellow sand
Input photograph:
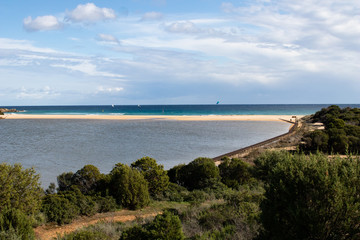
x,y
159,117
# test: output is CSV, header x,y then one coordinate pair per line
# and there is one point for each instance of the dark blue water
x,y
220,109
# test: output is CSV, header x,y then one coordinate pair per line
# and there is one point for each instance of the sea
x,y
54,146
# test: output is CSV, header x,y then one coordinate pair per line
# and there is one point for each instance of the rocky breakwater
x,y
5,110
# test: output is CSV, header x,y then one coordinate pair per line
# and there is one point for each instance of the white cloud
x,y
90,13
22,45
42,23
85,66
182,27
152,16
108,38
111,90
37,93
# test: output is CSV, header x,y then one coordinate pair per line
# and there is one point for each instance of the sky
x,y
179,52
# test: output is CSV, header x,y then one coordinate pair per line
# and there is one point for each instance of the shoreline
x,y
160,117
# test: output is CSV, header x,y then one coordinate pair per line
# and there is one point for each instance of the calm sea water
x,y
220,109
54,146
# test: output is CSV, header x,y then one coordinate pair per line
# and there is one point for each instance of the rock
x,y
3,110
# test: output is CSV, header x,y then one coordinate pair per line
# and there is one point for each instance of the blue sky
x,y
179,52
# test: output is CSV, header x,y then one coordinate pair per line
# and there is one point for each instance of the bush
x,y
16,225
19,188
198,174
234,172
83,203
129,187
310,197
166,226
86,235
105,204
155,175
86,179
175,193
59,209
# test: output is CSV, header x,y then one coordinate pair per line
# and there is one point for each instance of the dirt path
x,y
50,231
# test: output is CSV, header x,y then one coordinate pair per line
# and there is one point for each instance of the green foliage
x,y
59,209
341,134
166,226
174,174
198,174
105,204
86,235
86,179
129,187
310,197
175,193
65,181
85,204
15,224
317,140
19,188
234,172
155,175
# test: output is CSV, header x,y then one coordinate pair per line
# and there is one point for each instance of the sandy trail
x,y
47,232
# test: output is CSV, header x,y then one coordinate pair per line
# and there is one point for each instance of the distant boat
x,y
113,105
139,105
217,102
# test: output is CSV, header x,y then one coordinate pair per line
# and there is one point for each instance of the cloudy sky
x,y
179,52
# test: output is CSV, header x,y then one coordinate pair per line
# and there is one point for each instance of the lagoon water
x,y
54,146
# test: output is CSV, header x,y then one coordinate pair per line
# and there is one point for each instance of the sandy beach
x,y
159,117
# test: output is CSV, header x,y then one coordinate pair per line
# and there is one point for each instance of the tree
x,y
310,197
154,174
86,178
19,189
234,172
129,187
200,173
65,181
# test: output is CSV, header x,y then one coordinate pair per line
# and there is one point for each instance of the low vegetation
x,y
341,134
301,195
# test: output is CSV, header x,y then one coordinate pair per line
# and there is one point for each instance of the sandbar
x,y
160,117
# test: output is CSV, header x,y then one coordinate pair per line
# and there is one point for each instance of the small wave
x,y
117,114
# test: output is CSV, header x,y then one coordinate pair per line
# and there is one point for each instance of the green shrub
x,y
174,174
15,224
155,175
175,193
105,204
234,172
198,174
19,188
86,235
86,179
129,187
84,204
310,197
59,209
166,226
